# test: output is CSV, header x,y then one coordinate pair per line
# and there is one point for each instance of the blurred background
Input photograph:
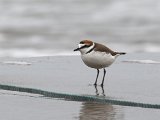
x,y
54,27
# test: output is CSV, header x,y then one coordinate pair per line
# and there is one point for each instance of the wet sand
x,y
125,80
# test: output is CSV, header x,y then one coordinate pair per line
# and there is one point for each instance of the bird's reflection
x,y
97,91
98,111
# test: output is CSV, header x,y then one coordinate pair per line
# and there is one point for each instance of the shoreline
x,y
125,81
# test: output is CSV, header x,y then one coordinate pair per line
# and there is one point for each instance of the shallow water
x,y
137,82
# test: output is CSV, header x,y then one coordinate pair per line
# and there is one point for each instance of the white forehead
x,y
81,45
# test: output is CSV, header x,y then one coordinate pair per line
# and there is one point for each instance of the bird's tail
x,y
121,53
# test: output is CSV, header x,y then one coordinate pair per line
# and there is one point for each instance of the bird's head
x,y
84,46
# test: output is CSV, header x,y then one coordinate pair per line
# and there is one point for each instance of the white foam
x,y
20,53
142,61
23,53
16,63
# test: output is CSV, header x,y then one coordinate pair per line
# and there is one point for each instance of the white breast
x,y
97,59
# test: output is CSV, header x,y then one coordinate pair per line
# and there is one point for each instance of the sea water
x,y
55,27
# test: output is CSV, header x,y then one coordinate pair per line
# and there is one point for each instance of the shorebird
x,y
98,56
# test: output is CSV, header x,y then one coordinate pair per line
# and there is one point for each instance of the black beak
x,y
77,49
85,46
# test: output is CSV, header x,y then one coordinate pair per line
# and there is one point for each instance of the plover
x,y
97,56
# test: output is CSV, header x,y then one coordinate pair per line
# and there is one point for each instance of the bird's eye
x,y
81,42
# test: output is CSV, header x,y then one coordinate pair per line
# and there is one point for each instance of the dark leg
x,y
103,76
96,77
103,91
96,90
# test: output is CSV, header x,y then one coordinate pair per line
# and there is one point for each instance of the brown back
x,y
102,48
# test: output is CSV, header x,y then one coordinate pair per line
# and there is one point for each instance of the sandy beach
x,y
133,77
